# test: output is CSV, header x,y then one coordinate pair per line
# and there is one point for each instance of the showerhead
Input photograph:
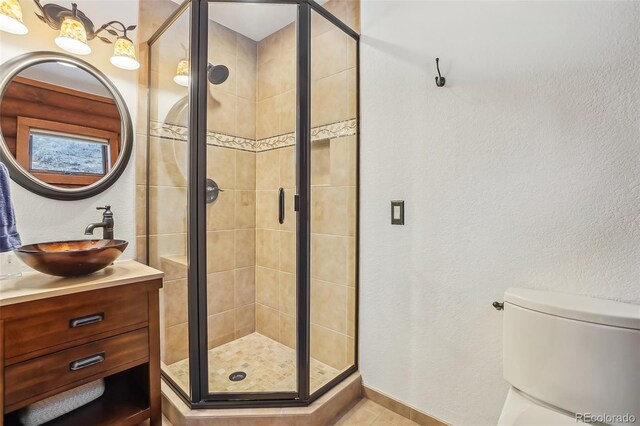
x,y
217,74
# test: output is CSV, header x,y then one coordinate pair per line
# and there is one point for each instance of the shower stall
x,y
251,192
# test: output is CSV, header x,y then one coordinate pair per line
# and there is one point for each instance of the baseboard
x,y
401,408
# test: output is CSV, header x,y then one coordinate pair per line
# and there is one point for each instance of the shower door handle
x,y
281,206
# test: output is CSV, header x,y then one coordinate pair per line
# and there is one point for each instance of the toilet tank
x,y
576,353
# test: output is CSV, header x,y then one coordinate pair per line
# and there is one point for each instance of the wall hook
x,y
440,80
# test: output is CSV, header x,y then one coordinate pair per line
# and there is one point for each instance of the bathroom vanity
x,y
59,333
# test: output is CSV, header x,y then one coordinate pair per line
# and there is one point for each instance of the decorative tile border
x,y
329,131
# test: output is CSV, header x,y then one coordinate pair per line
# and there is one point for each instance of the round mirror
x,y
66,131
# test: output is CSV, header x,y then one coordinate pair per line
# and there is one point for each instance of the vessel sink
x,y
71,258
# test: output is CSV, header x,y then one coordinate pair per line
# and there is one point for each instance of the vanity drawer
x,y
32,380
64,321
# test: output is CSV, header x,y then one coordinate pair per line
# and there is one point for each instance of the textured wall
x,y
42,219
523,171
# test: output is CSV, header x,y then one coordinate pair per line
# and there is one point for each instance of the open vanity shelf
x,y
58,334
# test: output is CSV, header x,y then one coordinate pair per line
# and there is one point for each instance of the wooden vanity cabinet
x,y
57,343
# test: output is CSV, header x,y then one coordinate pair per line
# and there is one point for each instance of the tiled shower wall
x,y
333,163
251,257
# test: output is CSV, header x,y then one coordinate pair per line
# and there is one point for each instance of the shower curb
x,y
320,412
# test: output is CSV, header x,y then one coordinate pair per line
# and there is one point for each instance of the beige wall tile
x,y
267,287
245,320
267,119
245,248
329,99
352,211
221,328
247,50
328,53
246,118
168,210
352,93
352,53
288,251
220,292
221,111
267,248
166,245
267,322
351,311
141,157
269,78
221,214
245,211
287,167
141,249
174,268
343,161
268,170
141,209
351,261
175,302
320,162
245,291
176,343
222,38
328,346
287,293
267,209
221,166
350,351
245,170
220,251
329,210
329,305
168,162
287,330
286,112
329,258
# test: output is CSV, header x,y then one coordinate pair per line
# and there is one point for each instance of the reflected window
x,y
64,154
68,154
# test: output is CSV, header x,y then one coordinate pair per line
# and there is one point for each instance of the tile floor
x,y
366,412
270,366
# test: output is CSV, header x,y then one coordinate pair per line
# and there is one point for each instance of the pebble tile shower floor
x,y
270,367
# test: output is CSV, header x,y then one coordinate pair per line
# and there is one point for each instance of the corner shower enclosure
x,y
252,199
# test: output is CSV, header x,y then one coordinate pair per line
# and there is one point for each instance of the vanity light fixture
x,y
11,17
76,30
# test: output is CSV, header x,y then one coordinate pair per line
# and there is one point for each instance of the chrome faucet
x,y
106,224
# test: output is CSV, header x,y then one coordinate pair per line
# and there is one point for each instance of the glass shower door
x,y
251,182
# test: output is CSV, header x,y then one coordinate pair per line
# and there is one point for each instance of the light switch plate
x,y
397,212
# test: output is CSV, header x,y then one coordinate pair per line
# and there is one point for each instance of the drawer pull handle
x,y
87,362
89,319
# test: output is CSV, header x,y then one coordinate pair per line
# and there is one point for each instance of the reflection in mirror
x,y
61,124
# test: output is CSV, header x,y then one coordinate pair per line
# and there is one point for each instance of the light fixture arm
x,y
112,29
53,15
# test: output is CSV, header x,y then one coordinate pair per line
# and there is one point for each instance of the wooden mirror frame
x,y
8,71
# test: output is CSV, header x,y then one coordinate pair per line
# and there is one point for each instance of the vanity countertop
x,y
35,285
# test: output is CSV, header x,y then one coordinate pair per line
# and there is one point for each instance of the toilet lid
x,y
519,410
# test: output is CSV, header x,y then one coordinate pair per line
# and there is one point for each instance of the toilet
x,y
566,356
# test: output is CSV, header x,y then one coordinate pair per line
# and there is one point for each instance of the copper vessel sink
x,y
71,258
